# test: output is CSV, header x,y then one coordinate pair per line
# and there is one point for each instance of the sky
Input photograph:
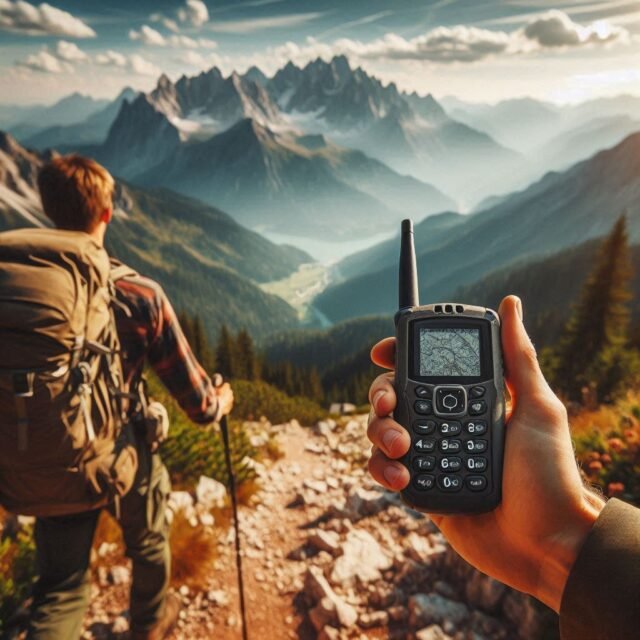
x,y
478,51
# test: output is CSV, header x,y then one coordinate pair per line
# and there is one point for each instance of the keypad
x,y
451,438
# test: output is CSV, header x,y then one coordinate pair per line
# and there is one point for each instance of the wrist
x,y
561,552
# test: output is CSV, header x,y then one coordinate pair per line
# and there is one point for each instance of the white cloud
x,y
194,12
137,63
70,52
45,62
557,29
142,66
22,17
185,42
149,36
551,31
111,58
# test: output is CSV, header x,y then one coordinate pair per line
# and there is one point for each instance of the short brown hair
x,y
75,192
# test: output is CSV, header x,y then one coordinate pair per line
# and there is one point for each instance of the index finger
x,y
384,353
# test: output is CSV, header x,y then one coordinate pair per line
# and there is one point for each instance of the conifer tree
x,y
225,354
593,344
201,346
248,368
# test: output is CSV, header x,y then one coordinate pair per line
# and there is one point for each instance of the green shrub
x,y
255,398
17,571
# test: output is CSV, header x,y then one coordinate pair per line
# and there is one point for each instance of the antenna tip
x,y
407,226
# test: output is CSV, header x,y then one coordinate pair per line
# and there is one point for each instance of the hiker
x,y
77,195
551,536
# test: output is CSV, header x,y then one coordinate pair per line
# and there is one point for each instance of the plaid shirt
x,y
150,332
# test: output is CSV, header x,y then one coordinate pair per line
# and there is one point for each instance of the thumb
x,y
522,370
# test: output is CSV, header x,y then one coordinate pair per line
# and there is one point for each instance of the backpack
x,y
65,445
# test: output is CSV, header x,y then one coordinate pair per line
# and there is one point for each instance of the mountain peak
x,y
8,143
164,82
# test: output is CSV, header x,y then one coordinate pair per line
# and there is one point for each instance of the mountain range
x,y
209,264
560,211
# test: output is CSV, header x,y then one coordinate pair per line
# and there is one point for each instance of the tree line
x,y
235,357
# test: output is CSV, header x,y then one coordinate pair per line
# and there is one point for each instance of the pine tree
x,y
246,355
225,354
201,346
594,340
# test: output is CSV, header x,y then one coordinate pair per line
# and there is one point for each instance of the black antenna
x,y
408,274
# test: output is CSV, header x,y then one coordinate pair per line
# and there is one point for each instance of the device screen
x,y
449,352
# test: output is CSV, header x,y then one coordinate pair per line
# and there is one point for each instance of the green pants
x,y
63,544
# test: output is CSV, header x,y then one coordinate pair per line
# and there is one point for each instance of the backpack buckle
x,y
23,384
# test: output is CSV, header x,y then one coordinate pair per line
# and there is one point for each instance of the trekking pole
x,y
224,427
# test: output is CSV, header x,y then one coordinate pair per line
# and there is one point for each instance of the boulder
x,y
361,561
331,608
428,609
325,541
433,632
362,502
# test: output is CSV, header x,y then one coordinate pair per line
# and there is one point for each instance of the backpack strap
x,y
120,271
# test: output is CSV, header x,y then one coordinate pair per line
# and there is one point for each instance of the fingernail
x,y
376,398
519,308
392,474
389,438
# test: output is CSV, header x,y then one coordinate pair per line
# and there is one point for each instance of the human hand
x,y
531,540
225,395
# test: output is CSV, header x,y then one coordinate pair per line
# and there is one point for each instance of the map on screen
x,y
449,352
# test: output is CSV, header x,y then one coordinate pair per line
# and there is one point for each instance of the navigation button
x,y
423,392
423,407
477,392
423,482
450,401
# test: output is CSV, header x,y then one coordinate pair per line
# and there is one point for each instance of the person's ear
x,y
107,215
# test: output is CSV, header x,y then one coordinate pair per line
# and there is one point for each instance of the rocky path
x,y
329,555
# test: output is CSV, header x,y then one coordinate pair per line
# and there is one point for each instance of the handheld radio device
x,y
450,388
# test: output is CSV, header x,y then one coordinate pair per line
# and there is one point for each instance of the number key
x,y
423,482
476,446
476,427
450,428
450,483
451,464
425,445
424,463
476,463
452,446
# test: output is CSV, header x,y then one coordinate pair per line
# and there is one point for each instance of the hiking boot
x,y
165,625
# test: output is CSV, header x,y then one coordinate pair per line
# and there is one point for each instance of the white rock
x,y
120,575
362,560
218,597
434,632
210,493
325,541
